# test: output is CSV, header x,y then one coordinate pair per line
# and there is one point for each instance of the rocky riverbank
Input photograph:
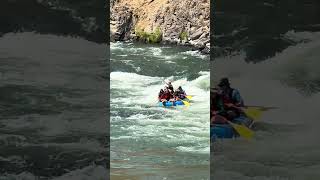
x,y
181,22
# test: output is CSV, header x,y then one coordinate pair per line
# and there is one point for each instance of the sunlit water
x,y
152,142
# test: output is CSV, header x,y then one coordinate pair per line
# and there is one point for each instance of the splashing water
x,y
148,141
285,146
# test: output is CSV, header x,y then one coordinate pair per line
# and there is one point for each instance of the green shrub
x,y
140,33
153,37
183,35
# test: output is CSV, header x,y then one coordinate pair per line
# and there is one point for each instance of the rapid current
x,y
152,142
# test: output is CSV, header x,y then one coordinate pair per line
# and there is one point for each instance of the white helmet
x,y
168,82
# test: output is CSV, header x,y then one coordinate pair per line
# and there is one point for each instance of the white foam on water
x,y
155,51
45,65
195,54
144,133
286,137
116,45
170,62
189,125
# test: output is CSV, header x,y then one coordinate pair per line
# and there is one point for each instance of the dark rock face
x,y
121,23
190,17
175,17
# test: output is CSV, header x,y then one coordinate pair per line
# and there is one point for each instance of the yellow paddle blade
x,y
243,131
253,113
189,97
186,103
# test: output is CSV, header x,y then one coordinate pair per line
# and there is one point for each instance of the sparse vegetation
x,y
183,36
153,37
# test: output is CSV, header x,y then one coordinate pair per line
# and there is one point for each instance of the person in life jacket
x,y
164,95
161,96
180,93
169,85
217,108
232,99
171,95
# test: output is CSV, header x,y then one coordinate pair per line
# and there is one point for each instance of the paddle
x,y
263,108
185,103
242,130
253,113
189,97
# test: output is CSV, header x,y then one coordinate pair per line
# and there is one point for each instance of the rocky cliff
x,y
183,22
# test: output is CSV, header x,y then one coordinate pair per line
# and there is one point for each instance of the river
x,y
53,113
285,145
152,142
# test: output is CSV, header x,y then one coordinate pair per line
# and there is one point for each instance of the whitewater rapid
x,y
140,94
53,120
285,144
148,141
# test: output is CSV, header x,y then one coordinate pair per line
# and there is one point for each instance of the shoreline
x,y
188,47
174,22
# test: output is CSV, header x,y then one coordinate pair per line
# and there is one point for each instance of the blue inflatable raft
x,y
223,131
168,103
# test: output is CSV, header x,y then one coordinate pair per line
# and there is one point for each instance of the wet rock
x,y
206,49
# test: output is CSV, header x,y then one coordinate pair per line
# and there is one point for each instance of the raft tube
x,y
168,103
226,131
222,131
